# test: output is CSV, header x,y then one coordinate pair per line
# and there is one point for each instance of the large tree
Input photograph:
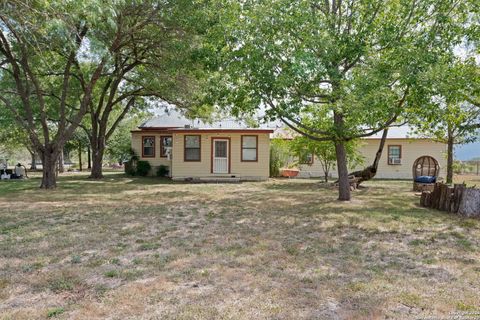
x,y
60,60
155,62
351,65
41,46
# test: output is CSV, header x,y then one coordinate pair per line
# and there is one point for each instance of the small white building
x,y
397,159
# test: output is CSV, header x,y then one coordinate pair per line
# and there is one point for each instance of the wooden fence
x,y
457,199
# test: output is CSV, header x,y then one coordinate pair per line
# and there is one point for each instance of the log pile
x,y
457,199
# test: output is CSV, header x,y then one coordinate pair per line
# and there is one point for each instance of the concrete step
x,y
213,179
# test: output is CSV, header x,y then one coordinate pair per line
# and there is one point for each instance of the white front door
x,y
220,155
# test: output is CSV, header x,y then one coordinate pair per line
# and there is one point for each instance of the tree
x,y
41,44
77,143
60,60
13,137
155,59
351,66
451,124
119,145
450,117
324,151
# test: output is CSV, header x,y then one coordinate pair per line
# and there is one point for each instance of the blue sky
x,y
468,151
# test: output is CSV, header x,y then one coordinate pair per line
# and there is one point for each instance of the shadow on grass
x,y
80,183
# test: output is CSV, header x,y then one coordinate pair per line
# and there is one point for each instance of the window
x,y
192,148
249,148
306,158
394,155
165,145
148,147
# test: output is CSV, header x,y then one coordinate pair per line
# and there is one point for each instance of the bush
x,y
162,171
131,165
279,156
143,168
129,170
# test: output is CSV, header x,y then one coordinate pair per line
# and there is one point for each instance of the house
x,y
196,150
398,157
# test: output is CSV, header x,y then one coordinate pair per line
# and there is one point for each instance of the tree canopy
x,y
63,59
351,65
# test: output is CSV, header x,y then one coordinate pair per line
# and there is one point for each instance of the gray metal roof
x,y
174,119
403,132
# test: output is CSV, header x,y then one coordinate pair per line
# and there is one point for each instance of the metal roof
x,y
174,119
403,132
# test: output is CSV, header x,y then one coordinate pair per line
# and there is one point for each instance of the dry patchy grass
x,y
128,248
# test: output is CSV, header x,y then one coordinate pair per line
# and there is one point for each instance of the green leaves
x,y
305,59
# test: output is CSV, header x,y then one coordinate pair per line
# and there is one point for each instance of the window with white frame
x,y
394,154
148,147
165,146
249,148
192,148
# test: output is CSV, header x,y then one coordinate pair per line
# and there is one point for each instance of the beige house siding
x,y
179,168
156,161
258,170
411,150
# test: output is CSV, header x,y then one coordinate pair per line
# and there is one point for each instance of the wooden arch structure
x,y
425,166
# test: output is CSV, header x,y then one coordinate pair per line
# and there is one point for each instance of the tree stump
x,y
443,197
425,199
470,203
449,198
436,196
457,196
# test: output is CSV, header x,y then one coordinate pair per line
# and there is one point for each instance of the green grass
x,y
55,312
148,248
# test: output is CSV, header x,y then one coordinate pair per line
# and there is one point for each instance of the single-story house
x,y
398,157
195,150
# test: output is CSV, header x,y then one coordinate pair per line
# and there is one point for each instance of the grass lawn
x,y
145,248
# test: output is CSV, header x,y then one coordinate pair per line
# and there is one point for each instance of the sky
x,y
467,151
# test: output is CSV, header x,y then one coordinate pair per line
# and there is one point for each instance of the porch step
x,y
210,179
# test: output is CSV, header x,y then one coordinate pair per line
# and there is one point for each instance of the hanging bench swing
x,y
425,173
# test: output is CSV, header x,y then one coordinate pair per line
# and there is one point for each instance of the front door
x,y
220,156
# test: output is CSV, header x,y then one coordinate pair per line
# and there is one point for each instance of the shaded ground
x,y
285,249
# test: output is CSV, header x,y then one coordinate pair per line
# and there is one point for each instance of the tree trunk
x,y
340,152
80,165
49,164
370,171
380,149
33,166
97,159
343,183
326,169
450,160
89,158
61,167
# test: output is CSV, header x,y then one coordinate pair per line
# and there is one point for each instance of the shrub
x,y
143,168
130,168
279,156
131,165
162,171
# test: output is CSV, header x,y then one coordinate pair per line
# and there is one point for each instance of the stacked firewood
x,y
457,199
